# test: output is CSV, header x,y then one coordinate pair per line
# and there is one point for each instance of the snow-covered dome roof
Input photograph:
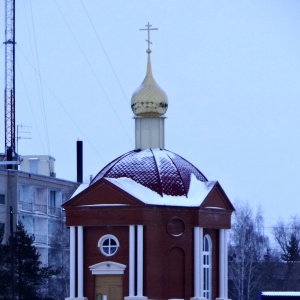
x,y
149,100
162,171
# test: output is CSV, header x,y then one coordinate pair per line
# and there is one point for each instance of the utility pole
x,y
9,92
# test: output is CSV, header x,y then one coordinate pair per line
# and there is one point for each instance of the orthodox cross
x,y
148,40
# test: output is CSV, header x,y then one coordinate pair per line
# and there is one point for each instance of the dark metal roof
x,y
159,170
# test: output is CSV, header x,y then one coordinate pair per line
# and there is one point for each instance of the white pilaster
x,y
131,260
226,262
137,252
197,260
140,256
198,264
72,261
80,261
80,264
223,267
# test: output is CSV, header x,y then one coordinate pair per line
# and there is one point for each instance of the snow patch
x,y
197,192
80,188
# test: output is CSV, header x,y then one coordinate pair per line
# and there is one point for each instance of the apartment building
x,y
33,195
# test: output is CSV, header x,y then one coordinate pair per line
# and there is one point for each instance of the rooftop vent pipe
x,y
79,162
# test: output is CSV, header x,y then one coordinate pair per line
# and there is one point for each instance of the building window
x,y
34,165
52,202
108,245
2,199
207,245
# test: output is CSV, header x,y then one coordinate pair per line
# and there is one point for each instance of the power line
x,y
31,108
39,84
107,57
64,108
93,72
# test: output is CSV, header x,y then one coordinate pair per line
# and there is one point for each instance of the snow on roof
x,y
80,188
160,170
197,192
281,293
103,205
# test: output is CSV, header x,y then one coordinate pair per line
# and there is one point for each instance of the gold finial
x,y
148,40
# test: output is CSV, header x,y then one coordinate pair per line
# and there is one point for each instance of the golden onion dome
x,y
149,100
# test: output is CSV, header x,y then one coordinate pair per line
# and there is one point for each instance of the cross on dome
x,y
149,100
148,40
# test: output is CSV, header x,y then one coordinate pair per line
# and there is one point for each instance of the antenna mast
x,y
9,92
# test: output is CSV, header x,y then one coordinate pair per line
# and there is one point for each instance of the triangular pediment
x,y
217,199
102,193
107,268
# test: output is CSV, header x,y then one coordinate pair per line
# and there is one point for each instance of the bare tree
x,y
248,252
288,238
58,285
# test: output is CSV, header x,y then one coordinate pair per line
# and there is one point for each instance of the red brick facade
x,y
168,239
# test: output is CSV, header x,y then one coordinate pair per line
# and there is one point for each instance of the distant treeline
x,y
253,265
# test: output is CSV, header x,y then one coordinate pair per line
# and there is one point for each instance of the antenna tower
x,y
9,92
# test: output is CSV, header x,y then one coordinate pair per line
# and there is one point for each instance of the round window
x,y
108,245
175,227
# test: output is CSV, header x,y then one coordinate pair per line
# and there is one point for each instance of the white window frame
x,y
110,249
207,266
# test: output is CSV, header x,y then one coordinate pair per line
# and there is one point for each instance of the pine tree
x,y
291,256
4,280
287,235
29,275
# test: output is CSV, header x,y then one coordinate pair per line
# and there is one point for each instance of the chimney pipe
x,y
79,162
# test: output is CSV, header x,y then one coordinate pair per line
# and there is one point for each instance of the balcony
x,y
40,208
26,206
54,211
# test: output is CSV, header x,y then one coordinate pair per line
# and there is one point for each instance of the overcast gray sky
x,y
231,70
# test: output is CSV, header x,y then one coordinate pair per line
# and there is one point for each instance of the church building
x,y
150,225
